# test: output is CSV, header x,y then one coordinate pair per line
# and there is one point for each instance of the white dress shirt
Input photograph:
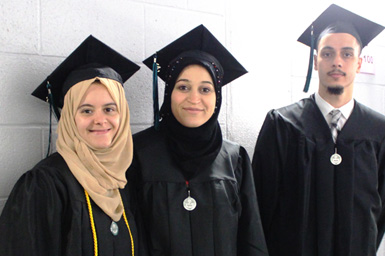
x,y
325,108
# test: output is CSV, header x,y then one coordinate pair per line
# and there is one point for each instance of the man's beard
x,y
337,90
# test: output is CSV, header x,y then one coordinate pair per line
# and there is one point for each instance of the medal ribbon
x,y
94,228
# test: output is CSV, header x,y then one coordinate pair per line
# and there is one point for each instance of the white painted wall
x,y
36,35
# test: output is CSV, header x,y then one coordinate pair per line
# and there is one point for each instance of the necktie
x,y
336,115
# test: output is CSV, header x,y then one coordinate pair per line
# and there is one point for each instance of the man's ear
x,y
315,62
359,65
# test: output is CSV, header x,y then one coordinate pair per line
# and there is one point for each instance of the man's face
x,y
337,62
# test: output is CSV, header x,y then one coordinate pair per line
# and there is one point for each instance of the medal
x,y
336,158
114,228
189,203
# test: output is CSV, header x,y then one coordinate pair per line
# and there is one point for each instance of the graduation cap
x,y
201,39
336,19
90,59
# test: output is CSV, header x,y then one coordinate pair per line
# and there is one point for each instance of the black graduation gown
x,y
309,206
226,219
47,214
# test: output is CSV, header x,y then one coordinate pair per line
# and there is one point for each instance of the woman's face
x,y
193,97
97,118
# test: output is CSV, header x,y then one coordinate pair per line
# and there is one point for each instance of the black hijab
x,y
192,148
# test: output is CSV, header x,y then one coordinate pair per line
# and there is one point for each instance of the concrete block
x,y
21,150
170,3
19,76
172,26
45,140
214,6
296,85
372,96
299,60
135,128
117,23
19,28
244,134
139,96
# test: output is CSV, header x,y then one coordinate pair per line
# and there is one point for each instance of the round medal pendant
x,y
335,159
114,228
189,203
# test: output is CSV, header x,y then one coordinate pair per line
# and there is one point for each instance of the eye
x,y
182,87
86,111
326,54
348,54
110,109
206,90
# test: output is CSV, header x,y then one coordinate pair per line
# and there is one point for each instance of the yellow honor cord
x,y
92,224
94,229
129,230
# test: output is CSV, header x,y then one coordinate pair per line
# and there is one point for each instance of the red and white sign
x,y
367,66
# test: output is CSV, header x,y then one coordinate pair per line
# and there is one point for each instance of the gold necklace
x,y
94,229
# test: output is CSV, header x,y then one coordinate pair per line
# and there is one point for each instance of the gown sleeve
x,y
30,223
381,191
251,240
133,183
267,164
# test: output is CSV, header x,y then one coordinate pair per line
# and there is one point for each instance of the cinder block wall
x,y
36,35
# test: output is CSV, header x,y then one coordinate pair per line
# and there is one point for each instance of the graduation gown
x,y
225,221
47,214
308,205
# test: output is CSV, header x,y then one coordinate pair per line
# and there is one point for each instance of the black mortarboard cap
x,y
338,20
200,38
90,59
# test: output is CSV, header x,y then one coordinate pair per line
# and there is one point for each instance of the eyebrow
x,y
89,105
186,80
343,48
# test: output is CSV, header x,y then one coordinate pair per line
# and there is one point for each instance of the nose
x,y
99,117
194,97
337,61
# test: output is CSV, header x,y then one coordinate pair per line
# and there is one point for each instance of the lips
x,y
336,74
193,110
102,131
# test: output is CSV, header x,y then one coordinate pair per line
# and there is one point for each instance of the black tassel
x,y
155,93
310,67
57,114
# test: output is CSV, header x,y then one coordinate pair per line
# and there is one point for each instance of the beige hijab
x,y
100,172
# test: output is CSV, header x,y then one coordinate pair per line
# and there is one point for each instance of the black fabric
x,y
91,50
177,159
226,220
309,206
199,38
193,148
364,28
340,27
176,66
46,214
86,72
336,19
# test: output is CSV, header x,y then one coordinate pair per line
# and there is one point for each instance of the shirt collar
x,y
325,107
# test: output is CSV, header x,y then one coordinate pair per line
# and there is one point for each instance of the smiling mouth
x,y
193,110
100,131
